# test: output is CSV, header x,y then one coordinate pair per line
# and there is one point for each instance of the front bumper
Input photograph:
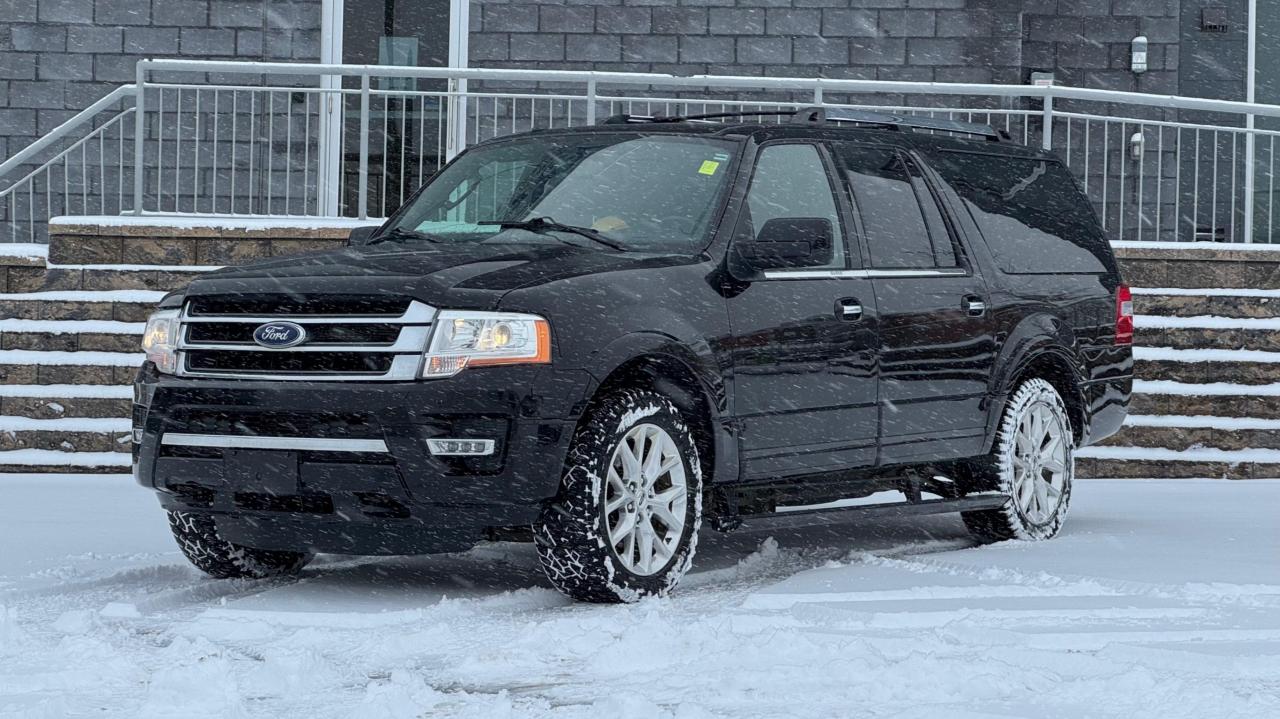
x,y
399,501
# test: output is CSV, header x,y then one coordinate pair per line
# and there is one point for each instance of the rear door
x,y
937,349
804,340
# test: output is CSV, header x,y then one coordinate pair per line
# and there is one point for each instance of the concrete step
x,y
1206,302
1150,462
54,461
71,434
53,401
1218,399
28,367
1250,367
70,335
1248,333
95,277
114,305
1197,431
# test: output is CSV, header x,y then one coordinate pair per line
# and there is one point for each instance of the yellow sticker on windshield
x,y
709,167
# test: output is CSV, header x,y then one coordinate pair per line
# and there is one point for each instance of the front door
x,y
804,339
937,351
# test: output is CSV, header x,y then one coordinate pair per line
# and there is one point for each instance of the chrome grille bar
x,y
413,338
405,352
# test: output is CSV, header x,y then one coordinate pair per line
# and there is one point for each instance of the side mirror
x,y
788,242
362,235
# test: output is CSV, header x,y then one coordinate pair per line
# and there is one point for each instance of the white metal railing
x,y
280,139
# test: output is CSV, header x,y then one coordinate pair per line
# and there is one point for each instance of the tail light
x,y
1124,316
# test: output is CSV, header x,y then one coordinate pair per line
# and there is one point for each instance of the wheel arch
x,y
664,365
1040,347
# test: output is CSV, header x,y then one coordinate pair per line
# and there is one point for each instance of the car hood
x,y
475,276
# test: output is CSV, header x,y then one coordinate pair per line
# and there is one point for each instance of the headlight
x,y
472,339
160,340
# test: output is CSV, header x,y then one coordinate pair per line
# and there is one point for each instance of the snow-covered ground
x,y
1161,599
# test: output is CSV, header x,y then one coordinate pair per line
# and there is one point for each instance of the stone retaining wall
x,y
151,242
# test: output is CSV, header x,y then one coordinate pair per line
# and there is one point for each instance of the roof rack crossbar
x,y
818,115
705,117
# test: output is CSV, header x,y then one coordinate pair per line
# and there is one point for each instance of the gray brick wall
x,y
57,56
973,40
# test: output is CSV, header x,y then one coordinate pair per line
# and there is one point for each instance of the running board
x,y
832,515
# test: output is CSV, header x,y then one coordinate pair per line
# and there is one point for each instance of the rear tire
x,y
197,537
1032,463
625,523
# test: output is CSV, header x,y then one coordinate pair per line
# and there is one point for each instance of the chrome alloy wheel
x,y
645,499
1041,463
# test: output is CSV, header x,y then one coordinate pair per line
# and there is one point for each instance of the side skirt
x,y
800,516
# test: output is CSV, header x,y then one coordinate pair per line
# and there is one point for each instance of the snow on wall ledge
x,y
216,222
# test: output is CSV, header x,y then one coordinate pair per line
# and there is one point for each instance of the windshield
x,y
641,194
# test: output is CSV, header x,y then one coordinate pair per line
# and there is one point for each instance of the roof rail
x,y
706,117
818,115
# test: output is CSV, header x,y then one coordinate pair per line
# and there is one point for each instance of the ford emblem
x,y
280,335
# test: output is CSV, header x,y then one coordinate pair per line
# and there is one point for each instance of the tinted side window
x,y
1030,211
889,201
790,181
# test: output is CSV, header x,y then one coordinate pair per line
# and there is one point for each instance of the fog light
x,y
460,447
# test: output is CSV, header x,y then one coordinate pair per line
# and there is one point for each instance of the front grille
x,y
242,333
292,503
330,425
297,304
281,362
356,337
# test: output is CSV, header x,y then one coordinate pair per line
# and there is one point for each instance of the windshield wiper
x,y
400,233
543,225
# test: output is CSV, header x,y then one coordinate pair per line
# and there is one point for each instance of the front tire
x,y
1033,464
198,538
625,523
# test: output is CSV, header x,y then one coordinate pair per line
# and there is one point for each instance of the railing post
x,y
363,201
1250,176
139,136
456,137
1046,140
1250,122
591,101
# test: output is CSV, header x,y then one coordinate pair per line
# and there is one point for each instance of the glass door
x,y
407,116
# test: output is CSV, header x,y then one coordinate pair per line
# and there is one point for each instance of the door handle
x,y
849,309
974,306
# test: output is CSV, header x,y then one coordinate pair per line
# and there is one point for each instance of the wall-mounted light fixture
x,y
1137,144
1138,53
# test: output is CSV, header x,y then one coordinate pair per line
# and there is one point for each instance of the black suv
x,y
600,337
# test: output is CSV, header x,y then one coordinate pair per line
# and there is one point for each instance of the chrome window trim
x,y
861,274
315,444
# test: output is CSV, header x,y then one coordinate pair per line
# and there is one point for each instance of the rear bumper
x,y
377,489
1106,406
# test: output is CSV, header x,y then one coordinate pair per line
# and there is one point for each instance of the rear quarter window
x,y
1032,214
